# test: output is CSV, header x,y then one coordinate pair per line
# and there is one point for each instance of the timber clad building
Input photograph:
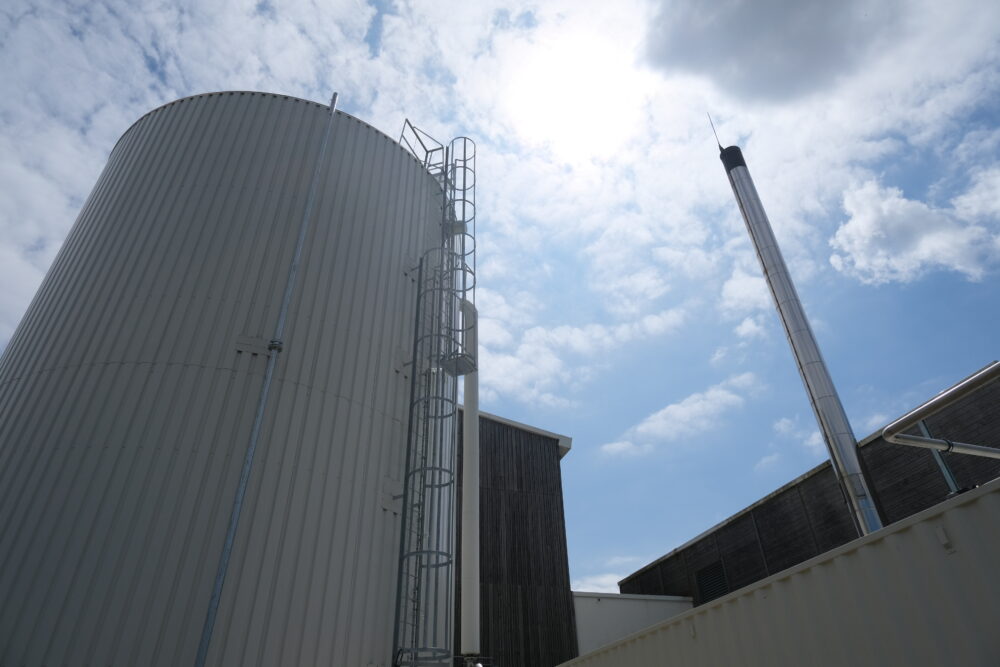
x,y
525,599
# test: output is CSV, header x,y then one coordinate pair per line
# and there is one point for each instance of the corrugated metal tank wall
x,y
128,391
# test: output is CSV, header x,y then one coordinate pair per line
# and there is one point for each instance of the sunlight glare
x,y
577,93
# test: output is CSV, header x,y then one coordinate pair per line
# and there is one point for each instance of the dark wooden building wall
x,y
811,516
526,603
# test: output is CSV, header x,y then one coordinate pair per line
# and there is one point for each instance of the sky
x,y
620,300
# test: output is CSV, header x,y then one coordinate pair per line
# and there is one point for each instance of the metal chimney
x,y
826,404
469,642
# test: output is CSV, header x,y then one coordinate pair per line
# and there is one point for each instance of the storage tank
x,y
128,394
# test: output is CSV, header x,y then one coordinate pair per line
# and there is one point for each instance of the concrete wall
x,y
921,592
602,618
128,392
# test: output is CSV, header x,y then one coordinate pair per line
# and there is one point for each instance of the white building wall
x,y
602,618
921,592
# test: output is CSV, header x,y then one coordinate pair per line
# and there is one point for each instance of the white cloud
x,y
692,416
815,445
492,333
750,328
744,293
623,269
875,421
694,263
625,448
808,438
982,199
597,583
530,374
784,426
889,238
767,462
696,413
545,364
616,561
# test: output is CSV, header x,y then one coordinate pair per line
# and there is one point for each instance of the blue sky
x,y
620,300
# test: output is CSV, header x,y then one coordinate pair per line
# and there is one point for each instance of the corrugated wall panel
x,y
921,592
127,396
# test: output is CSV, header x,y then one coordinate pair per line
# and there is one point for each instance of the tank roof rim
x,y
262,93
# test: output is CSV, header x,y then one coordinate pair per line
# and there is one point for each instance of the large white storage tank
x,y
128,392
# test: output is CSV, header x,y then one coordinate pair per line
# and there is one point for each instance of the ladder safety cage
x,y
460,239
441,354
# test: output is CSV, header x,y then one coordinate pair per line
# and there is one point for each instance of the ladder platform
x,y
454,227
458,364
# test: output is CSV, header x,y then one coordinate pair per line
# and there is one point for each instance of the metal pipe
x,y
469,644
978,379
944,445
404,526
894,432
826,404
274,349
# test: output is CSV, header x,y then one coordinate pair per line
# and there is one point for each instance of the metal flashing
x,y
564,442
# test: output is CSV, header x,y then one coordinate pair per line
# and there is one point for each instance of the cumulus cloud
x,y
616,561
739,297
814,445
808,438
889,238
694,263
982,200
876,421
622,270
593,338
625,448
784,426
544,364
767,462
698,412
750,327
719,356
695,415
743,293
769,49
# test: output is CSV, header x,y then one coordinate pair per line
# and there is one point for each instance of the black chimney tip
x,y
732,157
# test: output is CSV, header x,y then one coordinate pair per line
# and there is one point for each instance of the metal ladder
x,y
446,288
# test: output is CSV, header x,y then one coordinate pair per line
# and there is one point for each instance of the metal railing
x,y
894,432
428,150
